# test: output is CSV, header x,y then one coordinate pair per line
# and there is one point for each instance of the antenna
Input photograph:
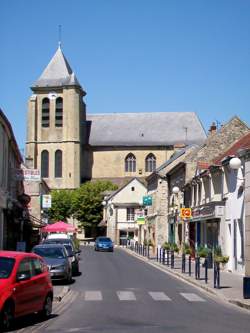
x,y
59,35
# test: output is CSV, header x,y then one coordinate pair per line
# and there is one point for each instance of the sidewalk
x,y
231,284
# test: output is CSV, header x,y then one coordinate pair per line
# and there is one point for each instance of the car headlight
x,y
60,267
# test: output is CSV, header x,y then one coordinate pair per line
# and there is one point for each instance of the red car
x,y
25,286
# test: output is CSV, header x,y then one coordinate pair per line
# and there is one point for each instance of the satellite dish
x,y
52,95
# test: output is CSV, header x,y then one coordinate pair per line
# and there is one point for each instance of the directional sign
x,y
186,213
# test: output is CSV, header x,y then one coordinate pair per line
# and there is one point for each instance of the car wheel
x,y
47,307
7,316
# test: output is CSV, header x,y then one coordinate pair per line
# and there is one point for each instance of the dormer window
x,y
45,112
59,112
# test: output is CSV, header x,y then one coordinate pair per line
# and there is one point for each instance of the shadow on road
x,y
27,321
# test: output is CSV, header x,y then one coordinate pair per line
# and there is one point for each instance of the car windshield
x,y
6,267
50,252
104,240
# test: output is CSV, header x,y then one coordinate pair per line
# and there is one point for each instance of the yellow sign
x,y
186,213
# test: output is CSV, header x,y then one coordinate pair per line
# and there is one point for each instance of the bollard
x,y
206,267
163,258
157,254
183,263
197,268
172,259
167,257
189,266
148,251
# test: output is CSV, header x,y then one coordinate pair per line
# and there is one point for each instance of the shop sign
x,y
208,211
140,220
31,174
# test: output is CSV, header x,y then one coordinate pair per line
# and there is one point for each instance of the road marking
x,y
192,297
126,296
159,296
93,296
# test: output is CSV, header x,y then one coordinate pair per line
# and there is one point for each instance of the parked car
x,y
25,286
72,251
104,244
57,260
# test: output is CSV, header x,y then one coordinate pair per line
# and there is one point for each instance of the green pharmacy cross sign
x,y
147,200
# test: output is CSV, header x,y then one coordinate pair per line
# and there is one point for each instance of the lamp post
x,y
176,190
235,164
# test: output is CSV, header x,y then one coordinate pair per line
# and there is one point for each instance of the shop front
x,y
205,224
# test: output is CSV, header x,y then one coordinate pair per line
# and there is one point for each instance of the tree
x,y
87,202
61,205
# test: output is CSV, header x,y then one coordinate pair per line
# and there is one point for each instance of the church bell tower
x,y
55,125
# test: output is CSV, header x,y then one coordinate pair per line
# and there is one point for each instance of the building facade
x,y
70,146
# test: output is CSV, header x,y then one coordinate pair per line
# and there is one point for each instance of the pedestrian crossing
x,y
128,295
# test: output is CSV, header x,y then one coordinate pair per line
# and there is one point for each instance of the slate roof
x,y
145,129
57,73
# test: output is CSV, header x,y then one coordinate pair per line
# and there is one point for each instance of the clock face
x,y
52,95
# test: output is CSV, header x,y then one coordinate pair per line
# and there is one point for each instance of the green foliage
x,y
87,202
219,257
166,246
61,205
203,251
175,247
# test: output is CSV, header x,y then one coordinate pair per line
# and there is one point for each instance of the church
x,y
70,145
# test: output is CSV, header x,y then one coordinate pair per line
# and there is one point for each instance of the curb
x,y
186,279
64,291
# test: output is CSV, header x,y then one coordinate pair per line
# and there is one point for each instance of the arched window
x,y
58,164
150,163
130,163
59,112
45,112
45,164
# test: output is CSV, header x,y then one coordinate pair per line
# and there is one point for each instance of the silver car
x,y
57,260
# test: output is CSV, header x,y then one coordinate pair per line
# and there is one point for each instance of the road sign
x,y
147,200
140,220
46,201
186,213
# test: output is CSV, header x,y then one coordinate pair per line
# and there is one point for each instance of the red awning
x,y
59,226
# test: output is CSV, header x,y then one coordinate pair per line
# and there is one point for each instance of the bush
x,y
203,251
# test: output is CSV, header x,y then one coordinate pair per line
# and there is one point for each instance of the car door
x,y
24,292
40,281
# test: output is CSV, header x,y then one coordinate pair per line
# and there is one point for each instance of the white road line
x,y
192,297
126,296
93,296
159,296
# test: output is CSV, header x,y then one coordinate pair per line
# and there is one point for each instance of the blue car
x,y
104,244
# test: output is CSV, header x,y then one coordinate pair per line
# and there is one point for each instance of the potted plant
x,y
166,246
175,247
219,257
187,249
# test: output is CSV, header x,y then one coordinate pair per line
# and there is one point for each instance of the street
x,y
117,292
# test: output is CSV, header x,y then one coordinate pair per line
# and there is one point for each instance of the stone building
x,y
70,146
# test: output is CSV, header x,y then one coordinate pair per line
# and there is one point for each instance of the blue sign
x,y
147,200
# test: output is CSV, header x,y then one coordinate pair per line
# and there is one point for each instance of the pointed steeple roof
x,y
57,73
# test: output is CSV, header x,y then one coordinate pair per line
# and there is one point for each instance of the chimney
x,y
213,128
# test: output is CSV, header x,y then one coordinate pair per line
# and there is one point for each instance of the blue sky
x,y
131,55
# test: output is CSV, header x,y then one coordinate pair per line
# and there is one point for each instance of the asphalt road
x,y
119,293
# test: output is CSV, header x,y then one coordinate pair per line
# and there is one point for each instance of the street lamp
x,y
176,190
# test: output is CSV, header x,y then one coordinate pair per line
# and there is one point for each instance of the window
x,y
59,112
130,214
25,267
45,164
150,163
45,112
130,163
38,267
58,164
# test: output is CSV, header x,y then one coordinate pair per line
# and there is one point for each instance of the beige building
x,y
70,146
